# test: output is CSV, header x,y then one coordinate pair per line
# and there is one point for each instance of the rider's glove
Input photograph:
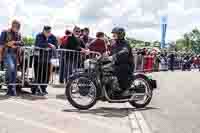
x,y
111,59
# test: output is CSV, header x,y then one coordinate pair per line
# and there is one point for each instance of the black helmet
x,y
120,32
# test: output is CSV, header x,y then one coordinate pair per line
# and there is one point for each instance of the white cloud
x,y
141,18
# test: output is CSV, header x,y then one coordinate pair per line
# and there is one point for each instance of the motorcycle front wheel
x,y
144,83
81,92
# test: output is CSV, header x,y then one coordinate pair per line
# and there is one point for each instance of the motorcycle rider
x,y
121,55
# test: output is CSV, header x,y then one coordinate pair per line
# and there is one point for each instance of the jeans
x,y
11,71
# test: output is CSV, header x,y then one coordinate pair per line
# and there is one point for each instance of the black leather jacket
x,y
121,52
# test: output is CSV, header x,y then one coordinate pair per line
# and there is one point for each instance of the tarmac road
x,y
175,107
53,114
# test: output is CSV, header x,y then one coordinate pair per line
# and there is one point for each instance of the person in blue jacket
x,y
53,40
42,65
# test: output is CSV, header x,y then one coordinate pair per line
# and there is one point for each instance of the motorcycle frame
x,y
104,93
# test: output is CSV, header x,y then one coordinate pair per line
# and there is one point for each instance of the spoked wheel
x,y
81,92
144,91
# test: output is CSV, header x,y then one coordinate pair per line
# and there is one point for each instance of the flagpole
x,y
163,31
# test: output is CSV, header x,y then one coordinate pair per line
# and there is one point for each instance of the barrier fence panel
x,y
151,63
56,66
2,78
41,67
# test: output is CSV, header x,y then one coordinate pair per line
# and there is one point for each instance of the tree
x,y
28,41
189,42
135,43
180,44
147,44
195,40
156,44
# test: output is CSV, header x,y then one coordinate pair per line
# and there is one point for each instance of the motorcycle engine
x,y
111,82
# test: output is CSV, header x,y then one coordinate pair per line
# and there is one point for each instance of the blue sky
x,y
141,18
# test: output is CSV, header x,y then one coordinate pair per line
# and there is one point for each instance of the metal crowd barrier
x,y
149,63
41,66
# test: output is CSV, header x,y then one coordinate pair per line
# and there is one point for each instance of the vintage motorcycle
x,y
97,82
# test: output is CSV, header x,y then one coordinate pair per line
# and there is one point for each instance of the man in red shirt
x,y
98,45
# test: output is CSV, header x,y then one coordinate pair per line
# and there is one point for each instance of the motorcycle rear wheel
x,y
149,89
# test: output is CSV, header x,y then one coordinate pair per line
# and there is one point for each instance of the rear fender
x,y
152,83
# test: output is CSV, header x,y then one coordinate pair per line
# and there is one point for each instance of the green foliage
x,y
189,42
28,41
180,44
134,43
156,44
195,40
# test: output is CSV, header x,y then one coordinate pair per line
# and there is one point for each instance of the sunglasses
x,y
77,31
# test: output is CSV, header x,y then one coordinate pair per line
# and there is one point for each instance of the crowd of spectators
x,y
145,60
154,60
75,40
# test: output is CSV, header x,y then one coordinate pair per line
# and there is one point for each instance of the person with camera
x,y
10,40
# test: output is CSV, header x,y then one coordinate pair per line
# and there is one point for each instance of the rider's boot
x,y
128,90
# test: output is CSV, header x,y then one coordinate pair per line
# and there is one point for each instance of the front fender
x,y
91,76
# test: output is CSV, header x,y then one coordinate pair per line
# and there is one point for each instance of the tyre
x,y
81,87
148,90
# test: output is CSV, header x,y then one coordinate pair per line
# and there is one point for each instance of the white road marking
x,y
31,122
135,127
143,124
138,123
